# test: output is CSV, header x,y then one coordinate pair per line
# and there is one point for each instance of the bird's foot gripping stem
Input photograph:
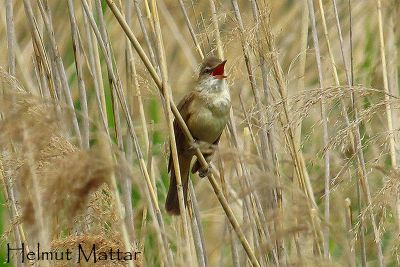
x,y
203,172
194,145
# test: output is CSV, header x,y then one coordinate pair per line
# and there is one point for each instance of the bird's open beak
x,y
218,72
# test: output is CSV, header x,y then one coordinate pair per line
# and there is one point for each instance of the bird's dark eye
x,y
208,70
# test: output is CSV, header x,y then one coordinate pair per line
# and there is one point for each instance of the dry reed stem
x,y
40,52
59,64
300,87
145,34
174,152
268,136
38,199
294,149
389,114
191,30
9,191
11,208
127,188
241,167
197,228
386,87
393,77
334,70
117,86
126,240
109,55
165,250
13,211
246,185
364,183
325,130
79,72
95,71
214,19
124,176
10,37
95,66
43,165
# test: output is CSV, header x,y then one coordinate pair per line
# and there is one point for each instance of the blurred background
x,y
308,163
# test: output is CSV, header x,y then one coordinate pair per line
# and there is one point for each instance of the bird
x,y
205,110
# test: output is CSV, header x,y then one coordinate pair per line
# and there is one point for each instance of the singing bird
x,y
205,109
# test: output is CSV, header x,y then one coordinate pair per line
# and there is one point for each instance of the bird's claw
x,y
203,172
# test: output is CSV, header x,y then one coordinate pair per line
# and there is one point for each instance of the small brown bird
x,y
205,111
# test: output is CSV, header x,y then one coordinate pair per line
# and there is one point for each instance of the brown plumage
x,y
205,111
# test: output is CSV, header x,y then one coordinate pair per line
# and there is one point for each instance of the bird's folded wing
x,y
180,138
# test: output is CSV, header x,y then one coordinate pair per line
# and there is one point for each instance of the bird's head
x,y
212,68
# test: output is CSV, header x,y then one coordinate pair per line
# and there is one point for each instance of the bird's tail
x,y
172,202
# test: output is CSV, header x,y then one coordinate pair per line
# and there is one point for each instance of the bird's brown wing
x,y
172,202
180,138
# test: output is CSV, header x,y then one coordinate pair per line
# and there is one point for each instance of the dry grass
x,y
306,172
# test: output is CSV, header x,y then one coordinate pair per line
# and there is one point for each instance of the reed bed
x,y
306,173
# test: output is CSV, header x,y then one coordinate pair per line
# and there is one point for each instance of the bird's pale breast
x,y
209,115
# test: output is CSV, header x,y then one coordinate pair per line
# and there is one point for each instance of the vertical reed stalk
x,y
356,140
232,239
95,71
9,191
110,57
392,142
10,37
248,186
79,72
325,130
122,100
40,52
197,229
174,152
145,34
289,134
190,27
59,64
37,197
13,212
349,226
389,110
116,85
301,87
127,181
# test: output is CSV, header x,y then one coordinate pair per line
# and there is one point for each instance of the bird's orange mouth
x,y
218,72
